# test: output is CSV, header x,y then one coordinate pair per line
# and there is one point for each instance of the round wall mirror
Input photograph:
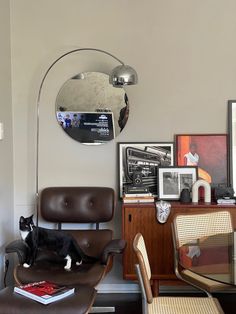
x,y
90,110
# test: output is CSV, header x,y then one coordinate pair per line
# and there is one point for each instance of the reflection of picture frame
x,y
207,151
173,179
138,164
232,143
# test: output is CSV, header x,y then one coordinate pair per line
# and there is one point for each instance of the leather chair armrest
x,y
19,247
115,246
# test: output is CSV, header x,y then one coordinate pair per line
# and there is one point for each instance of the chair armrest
x,y
19,247
115,246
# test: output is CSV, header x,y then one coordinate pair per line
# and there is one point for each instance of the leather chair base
x,y
78,303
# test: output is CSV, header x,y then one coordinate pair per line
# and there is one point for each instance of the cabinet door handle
x,y
130,217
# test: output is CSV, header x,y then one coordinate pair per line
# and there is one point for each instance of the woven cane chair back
x,y
141,254
194,226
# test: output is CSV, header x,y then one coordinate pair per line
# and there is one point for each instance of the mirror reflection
x,y
90,110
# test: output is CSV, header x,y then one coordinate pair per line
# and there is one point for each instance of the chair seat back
x,y
144,270
92,242
77,204
189,227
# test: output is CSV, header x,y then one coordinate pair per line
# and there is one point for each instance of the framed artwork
x,y
138,164
232,143
173,179
207,151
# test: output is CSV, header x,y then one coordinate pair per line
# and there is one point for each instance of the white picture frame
x,y
171,181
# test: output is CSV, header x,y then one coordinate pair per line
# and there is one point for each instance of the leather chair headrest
x,y
77,204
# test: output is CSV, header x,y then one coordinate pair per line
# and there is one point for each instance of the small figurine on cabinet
x,y
207,191
185,196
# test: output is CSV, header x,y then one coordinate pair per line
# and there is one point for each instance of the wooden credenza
x,y
158,238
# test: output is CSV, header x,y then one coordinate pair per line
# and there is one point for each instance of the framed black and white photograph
x,y
172,180
138,164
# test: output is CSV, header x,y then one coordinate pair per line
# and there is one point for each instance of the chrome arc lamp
x,y
122,75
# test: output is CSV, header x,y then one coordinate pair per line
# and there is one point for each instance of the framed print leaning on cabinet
x,y
207,151
138,164
232,143
172,180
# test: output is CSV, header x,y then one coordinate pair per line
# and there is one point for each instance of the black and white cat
x,y
58,241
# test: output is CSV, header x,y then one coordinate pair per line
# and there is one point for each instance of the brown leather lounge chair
x,y
88,207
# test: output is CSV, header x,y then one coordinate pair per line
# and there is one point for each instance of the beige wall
x,y
6,165
184,52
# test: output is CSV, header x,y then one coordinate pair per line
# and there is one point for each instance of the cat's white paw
x,y
78,263
68,263
67,268
25,265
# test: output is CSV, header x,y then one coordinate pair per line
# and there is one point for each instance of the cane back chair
x,y
166,305
189,227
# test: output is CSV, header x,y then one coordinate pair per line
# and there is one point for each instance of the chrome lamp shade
x,y
123,75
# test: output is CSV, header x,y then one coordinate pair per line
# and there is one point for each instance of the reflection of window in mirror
x,y
90,92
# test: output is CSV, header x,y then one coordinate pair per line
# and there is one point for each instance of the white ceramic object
x,y
207,191
163,211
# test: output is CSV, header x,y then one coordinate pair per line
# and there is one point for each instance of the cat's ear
x,y
22,219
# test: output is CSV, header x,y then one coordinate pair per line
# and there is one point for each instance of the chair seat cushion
x,y
89,274
182,305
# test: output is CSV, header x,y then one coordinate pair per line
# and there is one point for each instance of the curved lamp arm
x,y
120,76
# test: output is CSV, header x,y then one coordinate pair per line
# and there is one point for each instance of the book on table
x,y
138,199
44,292
226,201
138,195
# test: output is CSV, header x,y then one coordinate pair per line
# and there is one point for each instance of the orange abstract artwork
x,y
207,152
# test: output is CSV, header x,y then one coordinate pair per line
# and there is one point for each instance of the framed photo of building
x,y
138,164
207,151
172,180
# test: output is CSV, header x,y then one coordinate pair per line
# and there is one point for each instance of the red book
x,y
44,292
